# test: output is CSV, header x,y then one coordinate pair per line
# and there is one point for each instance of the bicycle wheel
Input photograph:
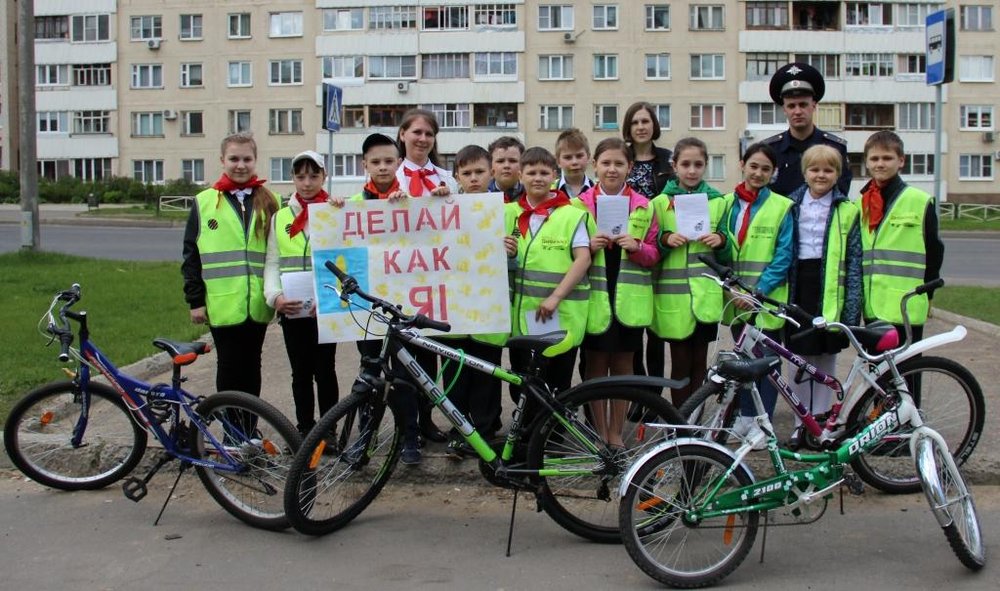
x,y
40,428
951,502
327,488
587,503
712,406
950,402
656,532
263,443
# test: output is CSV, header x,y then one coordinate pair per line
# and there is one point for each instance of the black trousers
x,y
237,350
558,373
414,405
475,394
311,362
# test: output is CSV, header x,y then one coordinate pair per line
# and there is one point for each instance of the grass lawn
x,y
966,224
129,304
137,212
975,302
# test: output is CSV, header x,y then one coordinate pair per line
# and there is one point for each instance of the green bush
x,y
111,190
10,187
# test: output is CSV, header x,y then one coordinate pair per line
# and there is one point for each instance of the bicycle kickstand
x,y
510,532
170,495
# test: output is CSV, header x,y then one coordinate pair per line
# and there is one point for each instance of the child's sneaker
x,y
411,455
747,429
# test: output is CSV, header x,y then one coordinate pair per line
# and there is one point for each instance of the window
x,y
975,68
827,64
147,124
192,123
91,27
707,17
147,27
605,67
914,15
605,17
663,116
353,117
767,15
444,65
868,14
392,66
918,165
285,72
286,24
239,25
495,15
816,16
657,17
715,168
500,64
555,67
916,117
446,18
708,116
85,122
281,170
977,18
386,115
92,75
53,121
285,121
708,66
239,74
343,19
976,117
975,167
495,115
53,169
870,117
191,75
191,27
52,75
239,121
912,65
147,171
349,165
766,114
51,27
392,17
869,65
193,171
451,115
147,76
555,17
829,116
761,66
605,117
657,66
556,117
92,169
344,66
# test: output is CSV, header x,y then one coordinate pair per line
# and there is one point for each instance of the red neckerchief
x,y
226,184
419,180
544,209
749,196
371,189
873,205
300,221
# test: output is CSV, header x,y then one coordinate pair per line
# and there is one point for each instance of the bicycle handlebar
x,y
61,330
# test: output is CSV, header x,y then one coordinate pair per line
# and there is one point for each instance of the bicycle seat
x,y
536,342
876,337
182,353
747,370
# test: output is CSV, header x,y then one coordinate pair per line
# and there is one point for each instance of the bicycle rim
x,y
963,532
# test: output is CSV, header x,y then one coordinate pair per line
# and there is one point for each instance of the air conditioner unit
x,y
154,43
169,114
570,37
988,137
996,155
747,134
403,87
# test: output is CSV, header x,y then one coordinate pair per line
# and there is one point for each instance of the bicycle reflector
x,y
316,455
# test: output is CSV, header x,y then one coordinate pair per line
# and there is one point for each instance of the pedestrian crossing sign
x,y
332,100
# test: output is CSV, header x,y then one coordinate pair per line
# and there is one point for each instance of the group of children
x,y
815,247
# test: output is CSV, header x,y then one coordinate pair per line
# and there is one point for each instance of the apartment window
x,y
657,66
286,24
281,170
191,27
870,117
191,76
239,74
708,116
147,27
657,17
239,121
605,17
392,17
827,64
556,117
52,75
343,19
496,64
147,171
765,114
707,17
344,66
869,65
555,17
51,27
977,17
386,115
348,165
708,66
767,15
663,116
353,117
239,25
605,66
715,168
392,66
918,165
916,117
92,169
85,122
193,171
53,169
285,72
975,167
913,64
92,75
761,66
285,121
605,117
90,27
495,115
975,68
147,124
914,15
53,121
192,123
868,14
555,67
446,18
976,118
444,65
451,115
496,15
829,116
147,76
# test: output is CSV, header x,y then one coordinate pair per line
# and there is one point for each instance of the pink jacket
x,y
648,254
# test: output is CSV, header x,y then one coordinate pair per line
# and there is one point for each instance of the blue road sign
x,y
937,45
332,99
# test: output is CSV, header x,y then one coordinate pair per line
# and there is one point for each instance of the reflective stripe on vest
x,y
293,251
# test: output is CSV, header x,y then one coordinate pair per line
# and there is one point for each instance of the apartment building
x,y
8,87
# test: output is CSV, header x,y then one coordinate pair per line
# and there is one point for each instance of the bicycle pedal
x,y
854,484
134,489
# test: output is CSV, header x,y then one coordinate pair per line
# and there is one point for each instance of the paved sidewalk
x,y
73,214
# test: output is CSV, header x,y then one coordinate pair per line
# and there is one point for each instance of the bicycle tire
x,y
264,442
325,492
39,429
587,505
710,406
660,541
950,402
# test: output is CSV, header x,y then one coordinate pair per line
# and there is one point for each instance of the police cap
x,y
797,79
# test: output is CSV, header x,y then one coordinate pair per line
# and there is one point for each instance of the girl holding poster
x,y
420,173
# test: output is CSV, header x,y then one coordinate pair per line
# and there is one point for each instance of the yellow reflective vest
x,y
293,251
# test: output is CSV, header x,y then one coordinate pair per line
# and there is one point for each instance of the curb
x,y
971,323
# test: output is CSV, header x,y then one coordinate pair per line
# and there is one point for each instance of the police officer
x,y
798,87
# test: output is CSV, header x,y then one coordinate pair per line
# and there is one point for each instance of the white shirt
x,y
440,176
813,215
